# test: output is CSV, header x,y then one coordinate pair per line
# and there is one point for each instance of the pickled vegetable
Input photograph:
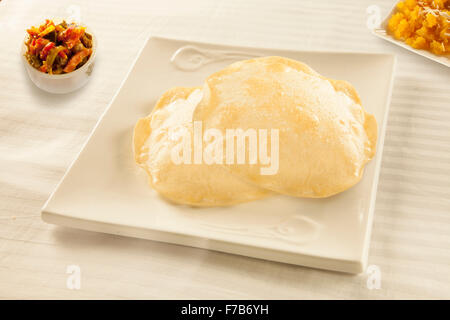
x,y
57,49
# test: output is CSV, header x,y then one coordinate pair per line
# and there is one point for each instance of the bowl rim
x,y
65,75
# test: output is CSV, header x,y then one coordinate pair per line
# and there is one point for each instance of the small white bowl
x,y
61,83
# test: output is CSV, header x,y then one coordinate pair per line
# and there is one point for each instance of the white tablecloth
x,y
40,134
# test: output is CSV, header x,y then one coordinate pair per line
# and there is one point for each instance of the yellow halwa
x,y
422,24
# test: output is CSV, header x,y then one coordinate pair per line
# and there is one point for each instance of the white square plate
x,y
382,33
105,191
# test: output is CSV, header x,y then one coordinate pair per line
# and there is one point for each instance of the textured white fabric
x,y
40,134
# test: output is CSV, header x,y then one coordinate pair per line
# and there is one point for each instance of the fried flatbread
x,y
325,136
157,135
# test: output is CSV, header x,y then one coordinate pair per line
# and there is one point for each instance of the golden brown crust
x,y
142,129
140,133
251,93
310,164
190,184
